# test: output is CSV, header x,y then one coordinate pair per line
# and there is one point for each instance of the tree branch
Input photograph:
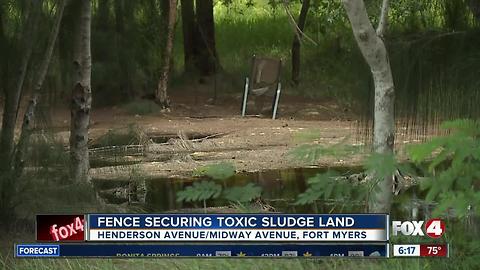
x,y
296,29
382,23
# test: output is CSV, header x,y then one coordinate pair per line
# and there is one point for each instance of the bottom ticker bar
x,y
200,250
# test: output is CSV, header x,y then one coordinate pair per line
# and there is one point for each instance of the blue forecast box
x,y
37,250
212,250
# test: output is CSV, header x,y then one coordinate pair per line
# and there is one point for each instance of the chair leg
x,y
277,98
245,97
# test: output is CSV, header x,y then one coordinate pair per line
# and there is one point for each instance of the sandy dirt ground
x,y
251,143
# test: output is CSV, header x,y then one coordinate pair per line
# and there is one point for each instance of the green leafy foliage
x,y
333,186
320,186
381,165
199,191
242,194
206,190
329,185
220,171
453,171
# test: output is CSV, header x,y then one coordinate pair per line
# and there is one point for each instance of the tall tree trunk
x,y
81,95
12,96
3,52
188,30
302,19
29,115
474,6
66,41
2,30
206,52
161,95
375,53
124,13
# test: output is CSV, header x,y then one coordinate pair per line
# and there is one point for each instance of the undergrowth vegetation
x,y
131,135
448,167
44,187
218,187
141,107
453,175
432,48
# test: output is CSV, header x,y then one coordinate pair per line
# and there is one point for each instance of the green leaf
x,y
199,191
453,171
440,158
322,185
381,165
420,152
242,194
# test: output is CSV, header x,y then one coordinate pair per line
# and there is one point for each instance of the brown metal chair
x,y
264,80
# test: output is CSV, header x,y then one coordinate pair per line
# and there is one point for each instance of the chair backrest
x,y
265,71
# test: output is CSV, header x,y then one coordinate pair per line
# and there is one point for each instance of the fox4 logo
x,y
434,228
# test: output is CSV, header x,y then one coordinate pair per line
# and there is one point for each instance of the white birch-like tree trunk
x,y
161,95
81,94
374,51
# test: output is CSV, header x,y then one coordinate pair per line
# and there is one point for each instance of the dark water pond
x,y
280,189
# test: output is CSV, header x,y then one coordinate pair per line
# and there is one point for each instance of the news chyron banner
x,y
238,227
209,235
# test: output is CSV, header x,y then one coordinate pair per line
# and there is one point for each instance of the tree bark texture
x,y
81,95
3,51
382,23
124,13
13,95
302,19
205,50
375,53
29,115
188,30
161,95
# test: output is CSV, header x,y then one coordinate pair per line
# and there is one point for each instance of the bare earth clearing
x,y
250,143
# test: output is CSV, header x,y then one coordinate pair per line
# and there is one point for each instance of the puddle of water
x,y
280,189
